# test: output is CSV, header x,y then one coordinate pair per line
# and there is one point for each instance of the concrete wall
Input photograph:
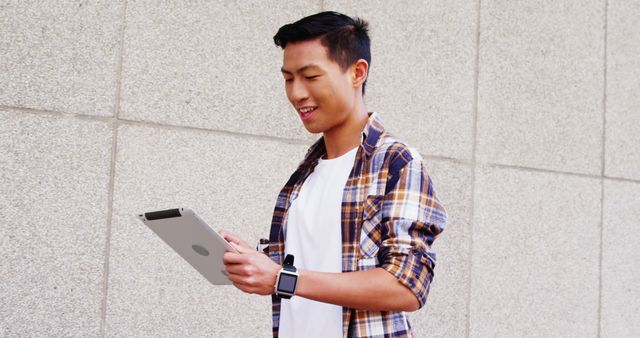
x,y
527,113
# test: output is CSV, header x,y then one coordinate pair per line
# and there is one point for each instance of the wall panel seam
x,y
474,165
114,147
603,164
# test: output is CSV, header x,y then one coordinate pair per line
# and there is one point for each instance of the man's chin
x,y
313,129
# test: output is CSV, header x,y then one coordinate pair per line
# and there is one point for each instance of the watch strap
x,y
288,260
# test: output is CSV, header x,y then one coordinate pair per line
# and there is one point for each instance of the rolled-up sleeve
x,y
412,218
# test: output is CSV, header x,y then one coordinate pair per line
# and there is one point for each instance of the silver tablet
x,y
193,239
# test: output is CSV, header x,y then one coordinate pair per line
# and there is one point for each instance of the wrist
x,y
299,287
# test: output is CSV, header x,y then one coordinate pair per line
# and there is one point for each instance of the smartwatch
x,y
287,279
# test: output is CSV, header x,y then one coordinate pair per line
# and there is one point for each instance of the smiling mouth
x,y
307,112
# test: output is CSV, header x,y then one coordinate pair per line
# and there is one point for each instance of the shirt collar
x,y
371,132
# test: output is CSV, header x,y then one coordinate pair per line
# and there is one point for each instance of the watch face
x,y
287,283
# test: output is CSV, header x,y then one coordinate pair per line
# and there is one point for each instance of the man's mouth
x,y
307,112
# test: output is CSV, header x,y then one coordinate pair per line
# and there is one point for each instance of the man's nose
x,y
298,92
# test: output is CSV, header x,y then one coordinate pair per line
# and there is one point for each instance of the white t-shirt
x,y
314,237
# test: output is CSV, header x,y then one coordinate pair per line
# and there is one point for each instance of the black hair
x,y
347,40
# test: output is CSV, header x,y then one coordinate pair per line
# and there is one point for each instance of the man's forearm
x,y
374,290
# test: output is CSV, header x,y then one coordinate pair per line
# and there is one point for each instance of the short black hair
x,y
347,39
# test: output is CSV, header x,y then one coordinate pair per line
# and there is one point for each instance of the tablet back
x,y
193,239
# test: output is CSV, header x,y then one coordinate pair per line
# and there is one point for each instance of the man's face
x,y
321,93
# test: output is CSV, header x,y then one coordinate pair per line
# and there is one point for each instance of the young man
x,y
357,219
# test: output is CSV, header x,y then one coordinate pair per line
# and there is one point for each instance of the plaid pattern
x,y
390,218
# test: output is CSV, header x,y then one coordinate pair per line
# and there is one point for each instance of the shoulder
x,y
395,153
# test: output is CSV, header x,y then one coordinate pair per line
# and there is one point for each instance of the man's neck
x,y
348,136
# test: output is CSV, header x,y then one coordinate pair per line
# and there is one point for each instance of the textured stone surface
x,y
210,64
623,84
620,257
541,84
422,70
535,254
215,174
445,314
60,55
53,218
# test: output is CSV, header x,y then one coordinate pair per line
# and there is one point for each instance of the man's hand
x,y
250,271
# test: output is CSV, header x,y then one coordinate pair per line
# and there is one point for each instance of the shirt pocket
x,y
370,233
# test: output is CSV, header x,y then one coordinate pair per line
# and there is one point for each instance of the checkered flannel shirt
x,y
390,218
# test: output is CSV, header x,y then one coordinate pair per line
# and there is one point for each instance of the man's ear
x,y
360,71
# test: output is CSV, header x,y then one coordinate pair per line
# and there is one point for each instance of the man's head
x,y
346,39
325,65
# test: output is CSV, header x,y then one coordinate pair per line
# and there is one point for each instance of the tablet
x,y
193,239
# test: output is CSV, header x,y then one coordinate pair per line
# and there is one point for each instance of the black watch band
x,y
288,264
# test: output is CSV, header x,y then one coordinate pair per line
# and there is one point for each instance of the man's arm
x,y
374,290
412,218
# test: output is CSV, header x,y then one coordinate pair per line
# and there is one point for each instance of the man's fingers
x,y
235,278
232,258
236,270
243,288
236,241
236,246
228,236
239,282
243,250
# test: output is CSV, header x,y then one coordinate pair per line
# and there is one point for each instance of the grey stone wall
x,y
527,114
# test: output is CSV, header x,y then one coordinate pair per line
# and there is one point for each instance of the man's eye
x,y
311,77
288,80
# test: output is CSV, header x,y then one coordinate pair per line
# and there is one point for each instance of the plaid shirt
x,y
390,218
